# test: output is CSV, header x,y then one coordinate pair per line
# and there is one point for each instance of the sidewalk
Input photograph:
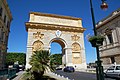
x,y
57,77
18,75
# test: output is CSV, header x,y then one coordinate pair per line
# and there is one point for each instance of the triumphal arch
x,y
43,29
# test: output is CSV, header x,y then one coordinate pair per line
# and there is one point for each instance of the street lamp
x,y
99,68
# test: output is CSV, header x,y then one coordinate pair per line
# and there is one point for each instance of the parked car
x,y
69,69
58,68
113,71
16,66
21,67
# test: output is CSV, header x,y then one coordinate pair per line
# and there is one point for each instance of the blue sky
x,y
77,8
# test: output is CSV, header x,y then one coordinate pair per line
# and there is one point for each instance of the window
x,y
8,24
2,35
117,67
4,18
1,11
110,38
112,60
108,32
6,40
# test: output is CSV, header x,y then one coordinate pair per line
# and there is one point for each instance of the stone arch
x,y
54,28
37,45
63,45
60,41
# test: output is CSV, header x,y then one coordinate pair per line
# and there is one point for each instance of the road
x,y
79,75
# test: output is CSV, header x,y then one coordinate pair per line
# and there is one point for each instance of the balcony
x,y
110,49
108,46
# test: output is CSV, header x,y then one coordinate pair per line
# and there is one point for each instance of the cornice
x,y
53,27
106,56
55,16
7,9
107,20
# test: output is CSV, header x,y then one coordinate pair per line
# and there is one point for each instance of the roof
x,y
107,19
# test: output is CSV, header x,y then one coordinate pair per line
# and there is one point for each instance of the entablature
x,y
54,27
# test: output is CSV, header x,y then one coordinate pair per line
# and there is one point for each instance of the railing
x,y
8,73
93,70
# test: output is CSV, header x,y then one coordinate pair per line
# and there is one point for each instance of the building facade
x,y
5,20
43,29
110,29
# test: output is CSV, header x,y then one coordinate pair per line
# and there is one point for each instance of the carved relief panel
x,y
38,35
37,45
76,55
75,37
75,47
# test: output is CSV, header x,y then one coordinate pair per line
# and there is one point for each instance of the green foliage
x,y
56,59
40,62
13,57
94,38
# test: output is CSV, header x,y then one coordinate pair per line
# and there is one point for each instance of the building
x,y
5,20
110,29
44,29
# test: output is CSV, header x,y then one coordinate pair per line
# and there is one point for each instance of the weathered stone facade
x,y
5,20
110,28
43,29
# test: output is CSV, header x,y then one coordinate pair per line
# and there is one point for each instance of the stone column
x,y
68,54
28,56
63,57
84,65
107,41
29,49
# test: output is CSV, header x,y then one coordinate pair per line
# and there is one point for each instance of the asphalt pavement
x,y
71,76
79,75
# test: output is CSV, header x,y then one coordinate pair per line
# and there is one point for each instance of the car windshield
x,y
117,67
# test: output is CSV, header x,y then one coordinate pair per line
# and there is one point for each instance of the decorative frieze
x,y
38,35
75,37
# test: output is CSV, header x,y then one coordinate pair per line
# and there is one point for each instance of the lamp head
x,y
104,5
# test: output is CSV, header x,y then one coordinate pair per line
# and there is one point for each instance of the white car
x,y
113,71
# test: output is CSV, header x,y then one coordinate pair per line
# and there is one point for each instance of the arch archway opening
x,y
58,52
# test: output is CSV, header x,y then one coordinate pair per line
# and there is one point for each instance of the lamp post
x,y
99,68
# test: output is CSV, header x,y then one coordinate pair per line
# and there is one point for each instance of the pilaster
x,y
68,56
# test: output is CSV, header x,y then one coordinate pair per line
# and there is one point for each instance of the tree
x,y
56,59
40,62
13,57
